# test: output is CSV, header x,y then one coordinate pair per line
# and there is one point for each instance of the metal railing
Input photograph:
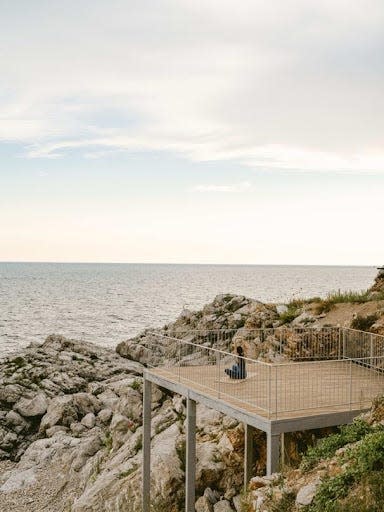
x,y
290,370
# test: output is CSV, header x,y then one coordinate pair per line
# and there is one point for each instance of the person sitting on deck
x,y
238,370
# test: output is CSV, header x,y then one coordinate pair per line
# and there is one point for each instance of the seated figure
x,y
238,370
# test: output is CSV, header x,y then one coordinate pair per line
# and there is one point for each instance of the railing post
x,y
146,468
350,384
249,453
269,391
218,364
371,348
344,343
179,360
190,466
276,367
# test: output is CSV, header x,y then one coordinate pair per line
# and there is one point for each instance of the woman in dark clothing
x,y
238,370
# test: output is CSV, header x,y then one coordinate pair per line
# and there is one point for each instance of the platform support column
x,y
249,453
190,468
273,453
146,497
282,450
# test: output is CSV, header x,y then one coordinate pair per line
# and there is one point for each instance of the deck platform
x,y
283,404
332,377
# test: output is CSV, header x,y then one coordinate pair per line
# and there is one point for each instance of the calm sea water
x,y
107,303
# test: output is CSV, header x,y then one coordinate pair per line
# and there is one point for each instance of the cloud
x,y
290,85
236,187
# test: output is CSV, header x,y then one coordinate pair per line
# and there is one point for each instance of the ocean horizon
x,y
106,303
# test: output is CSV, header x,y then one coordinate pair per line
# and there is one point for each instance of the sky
x,y
188,131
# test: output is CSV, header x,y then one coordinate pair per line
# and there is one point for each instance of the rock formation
x,y
73,410
378,286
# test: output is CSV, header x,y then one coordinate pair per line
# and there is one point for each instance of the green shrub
x,y
285,503
108,441
366,496
327,446
128,472
363,476
288,316
135,385
330,490
350,296
369,455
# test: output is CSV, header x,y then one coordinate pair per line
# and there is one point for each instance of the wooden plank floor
x,y
285,390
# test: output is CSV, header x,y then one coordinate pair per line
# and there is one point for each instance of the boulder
x,y
50,432
120,428
209,466
78,428
16,422
19,480
203,505
7,439
120,423
222,506
105,415
237,502
212,496
89,420
306,494
30,407
85,403
11,393
61,410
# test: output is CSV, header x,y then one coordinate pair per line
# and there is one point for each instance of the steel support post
x,y
249,453
273,453
146,497
282,450
190,468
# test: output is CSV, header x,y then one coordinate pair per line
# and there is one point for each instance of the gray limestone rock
x,y
222,506
54,430
105,415
11,393
61,410
212,496
307,493
36,406
78,428
203,504
19,480
16,422
89,420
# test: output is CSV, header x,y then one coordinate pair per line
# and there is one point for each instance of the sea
x,y
109,303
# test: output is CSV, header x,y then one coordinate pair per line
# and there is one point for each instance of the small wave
x,y
115,317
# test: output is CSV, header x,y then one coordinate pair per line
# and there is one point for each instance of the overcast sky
x,y
192,131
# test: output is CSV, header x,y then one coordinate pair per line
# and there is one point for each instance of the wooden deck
x,y
284,391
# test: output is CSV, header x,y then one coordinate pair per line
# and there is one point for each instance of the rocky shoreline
x,y
71,418
74,410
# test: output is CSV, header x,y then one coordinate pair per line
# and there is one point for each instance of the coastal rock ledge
x,y
71,428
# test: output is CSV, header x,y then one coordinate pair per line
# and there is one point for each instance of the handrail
x,y
282,386
231,354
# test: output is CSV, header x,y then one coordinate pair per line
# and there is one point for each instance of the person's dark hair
x,y
240,350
